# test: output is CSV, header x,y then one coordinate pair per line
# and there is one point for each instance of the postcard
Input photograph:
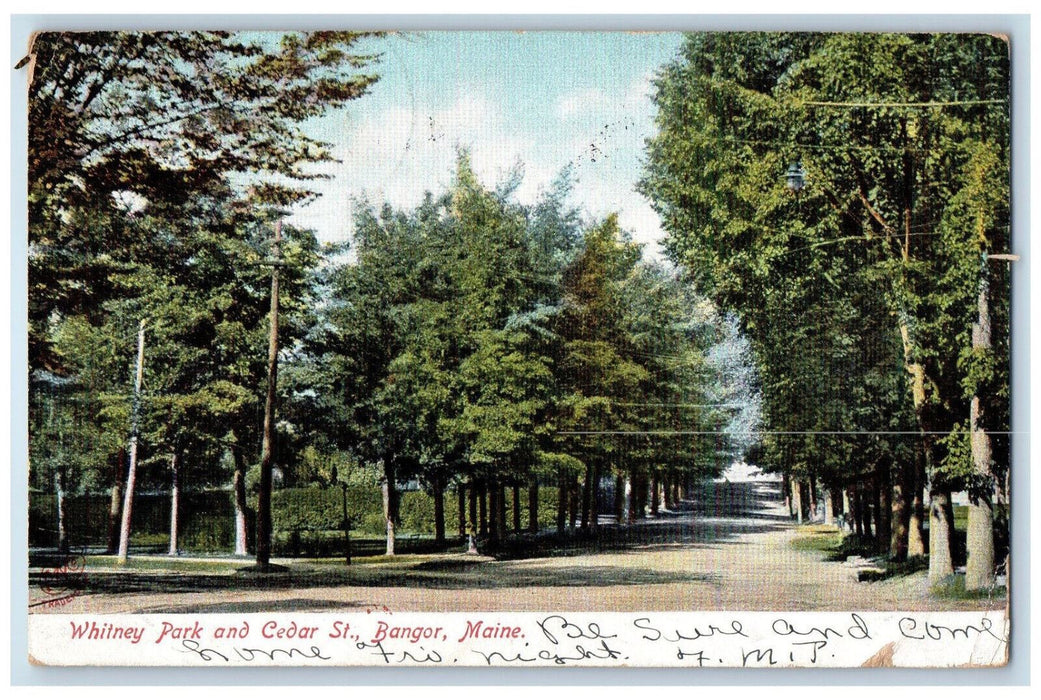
x,y
514,349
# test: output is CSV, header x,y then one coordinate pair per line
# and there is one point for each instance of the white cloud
x,y
582,102
398,153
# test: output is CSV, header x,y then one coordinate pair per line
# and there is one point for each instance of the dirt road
x,y
731,549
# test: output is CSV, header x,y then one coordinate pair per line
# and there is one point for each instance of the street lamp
x,y
795,178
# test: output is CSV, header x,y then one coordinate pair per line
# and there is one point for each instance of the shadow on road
x,y
718,512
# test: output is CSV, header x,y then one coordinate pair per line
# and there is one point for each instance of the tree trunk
x,y
241,504
979,565
811,492
573,501
640,496
594,500
115,502
390,504
786,489
941,564
561,502
855,510
482,508
847,509
533,506
865,509
829,507
898,518
797,499
916,517
494,496
175,502
439,511
502,511
619,498
135,414
655,485
882,504
59,492
587,489
473,496
461,493
627,498
516,508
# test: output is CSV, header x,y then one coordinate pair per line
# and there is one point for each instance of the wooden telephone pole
x,y
268,457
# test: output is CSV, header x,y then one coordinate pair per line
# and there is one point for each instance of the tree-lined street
x,y
511,369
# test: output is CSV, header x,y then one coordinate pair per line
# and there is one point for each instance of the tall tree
x,y
884,125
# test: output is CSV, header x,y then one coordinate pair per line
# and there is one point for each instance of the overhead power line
x,y
924,105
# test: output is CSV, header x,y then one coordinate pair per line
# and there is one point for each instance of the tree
x,y
885,125
120,117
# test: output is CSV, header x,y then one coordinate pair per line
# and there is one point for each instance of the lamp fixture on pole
x,y
795,178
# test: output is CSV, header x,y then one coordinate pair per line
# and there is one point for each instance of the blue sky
x,y
545,99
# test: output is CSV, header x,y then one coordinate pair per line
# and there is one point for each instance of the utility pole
x,y
979,566
268,456
135,418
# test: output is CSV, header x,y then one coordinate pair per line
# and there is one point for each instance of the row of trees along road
x,y
877,313
473,344
139,145
484,347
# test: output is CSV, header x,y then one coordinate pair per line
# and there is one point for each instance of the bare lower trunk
x,y
390,506
941,564
494,495
837,505
461,493
241,505
573,503
439,511
561,502
115,502
482,510
898,519
594,501
979,565
587,492
640,486
627,499
811,492
829,508
882,504
786,489
916,521
533,506
175,502
59,492
797,499
655,485
472,509
502,511
847,509
854,509
516,508
865,509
